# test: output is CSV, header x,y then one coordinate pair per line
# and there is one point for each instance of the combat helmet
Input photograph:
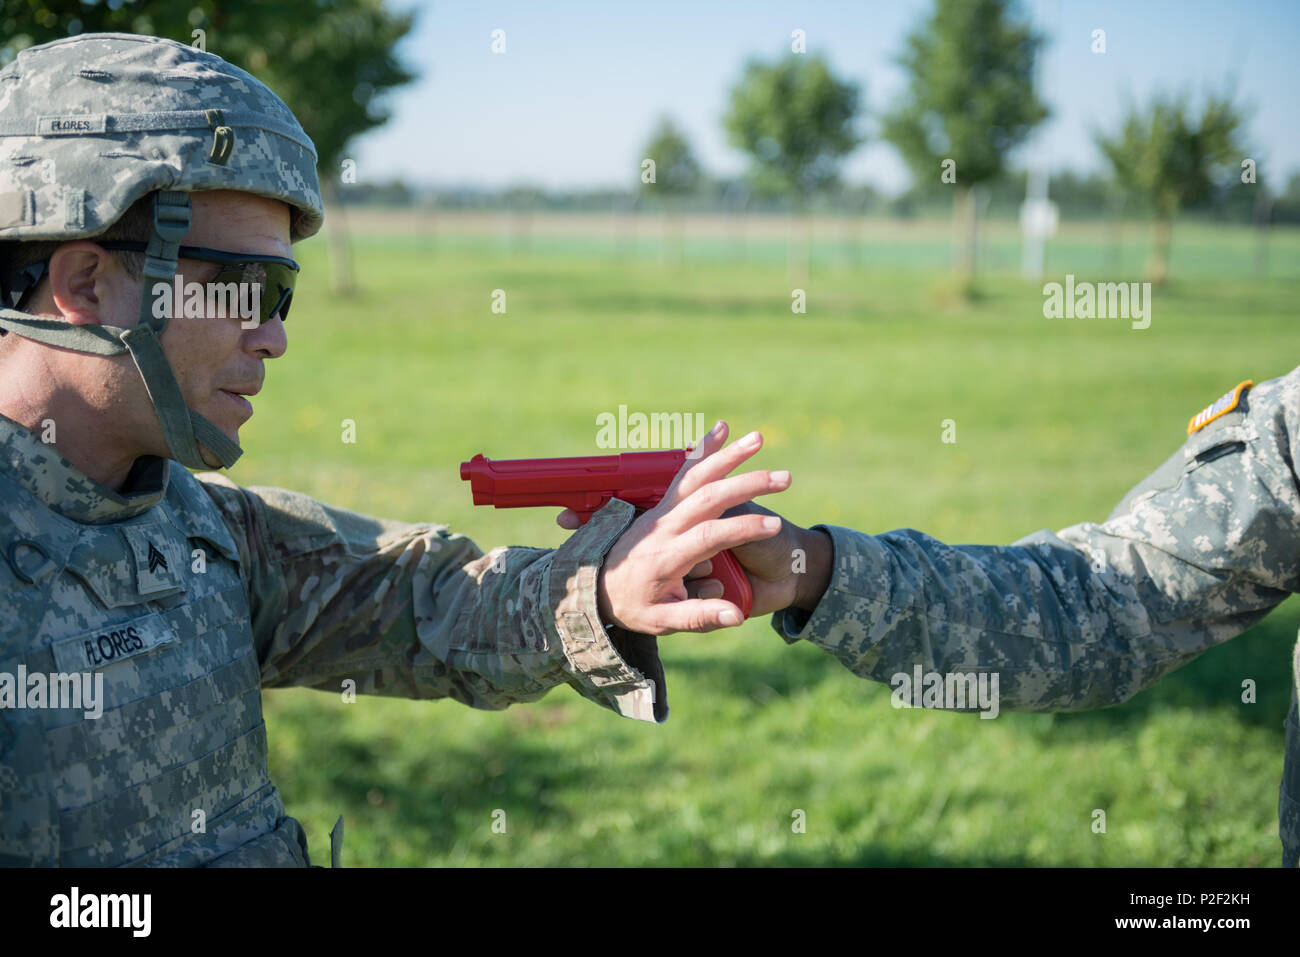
x,y
91,124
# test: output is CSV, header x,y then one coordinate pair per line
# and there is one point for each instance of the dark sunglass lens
x,y
282,307
279,290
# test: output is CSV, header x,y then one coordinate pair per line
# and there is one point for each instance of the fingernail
x,y
781,477
771,523
717,428
729,618
751,439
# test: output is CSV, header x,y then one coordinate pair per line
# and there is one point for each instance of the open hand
x,y
643,582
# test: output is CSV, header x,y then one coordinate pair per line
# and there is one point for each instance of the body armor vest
x,y
174,770
1288,800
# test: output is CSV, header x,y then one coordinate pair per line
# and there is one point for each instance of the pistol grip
x,y
735,584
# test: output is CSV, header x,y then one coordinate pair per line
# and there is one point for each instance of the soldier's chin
x,y
228,420
209,457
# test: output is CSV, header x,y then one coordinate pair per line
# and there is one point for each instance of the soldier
x,y
1194,555
129,161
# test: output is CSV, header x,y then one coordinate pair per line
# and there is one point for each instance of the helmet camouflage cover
x,y
89,125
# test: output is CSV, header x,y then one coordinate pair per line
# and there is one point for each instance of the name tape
x,y
71,125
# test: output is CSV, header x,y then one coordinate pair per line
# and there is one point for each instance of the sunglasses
x,y
275,274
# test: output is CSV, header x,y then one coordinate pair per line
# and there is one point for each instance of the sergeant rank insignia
x,y
1220,406
156,559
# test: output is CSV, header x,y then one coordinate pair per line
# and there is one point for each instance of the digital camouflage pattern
x,y
190,594
186,594
1194,555
416,611
90,124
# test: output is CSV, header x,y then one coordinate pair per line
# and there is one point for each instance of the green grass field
x,y
1055,420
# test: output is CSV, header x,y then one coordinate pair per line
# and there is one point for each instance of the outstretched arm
x,y
1086,617
418,611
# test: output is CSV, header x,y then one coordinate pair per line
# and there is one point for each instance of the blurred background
x,y
833,222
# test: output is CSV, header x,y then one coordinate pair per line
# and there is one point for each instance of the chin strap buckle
x,y
171,223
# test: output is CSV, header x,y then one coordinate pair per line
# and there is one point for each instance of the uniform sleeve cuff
x,y
854,560
602,673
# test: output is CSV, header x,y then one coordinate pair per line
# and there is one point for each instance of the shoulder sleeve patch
x,y
1220,406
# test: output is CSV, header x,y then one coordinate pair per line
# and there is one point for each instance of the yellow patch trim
x,y
1220,406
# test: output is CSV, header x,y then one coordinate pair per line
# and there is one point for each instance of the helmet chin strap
x,y
181,425
183,428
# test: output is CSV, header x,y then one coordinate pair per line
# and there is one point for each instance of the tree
x,y
676,170
1287,209
970,101
1169,160
676,175
331,61
796,121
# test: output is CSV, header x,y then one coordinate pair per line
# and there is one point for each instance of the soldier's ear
x,y
84,283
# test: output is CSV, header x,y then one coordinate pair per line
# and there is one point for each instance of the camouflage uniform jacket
x,y
1194,555
189,594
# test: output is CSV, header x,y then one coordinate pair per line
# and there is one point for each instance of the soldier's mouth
x,y
239,400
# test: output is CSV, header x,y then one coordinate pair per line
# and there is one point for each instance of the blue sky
x,y
573,99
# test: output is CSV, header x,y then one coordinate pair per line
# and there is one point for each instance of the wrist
x,y
602,601
819,552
